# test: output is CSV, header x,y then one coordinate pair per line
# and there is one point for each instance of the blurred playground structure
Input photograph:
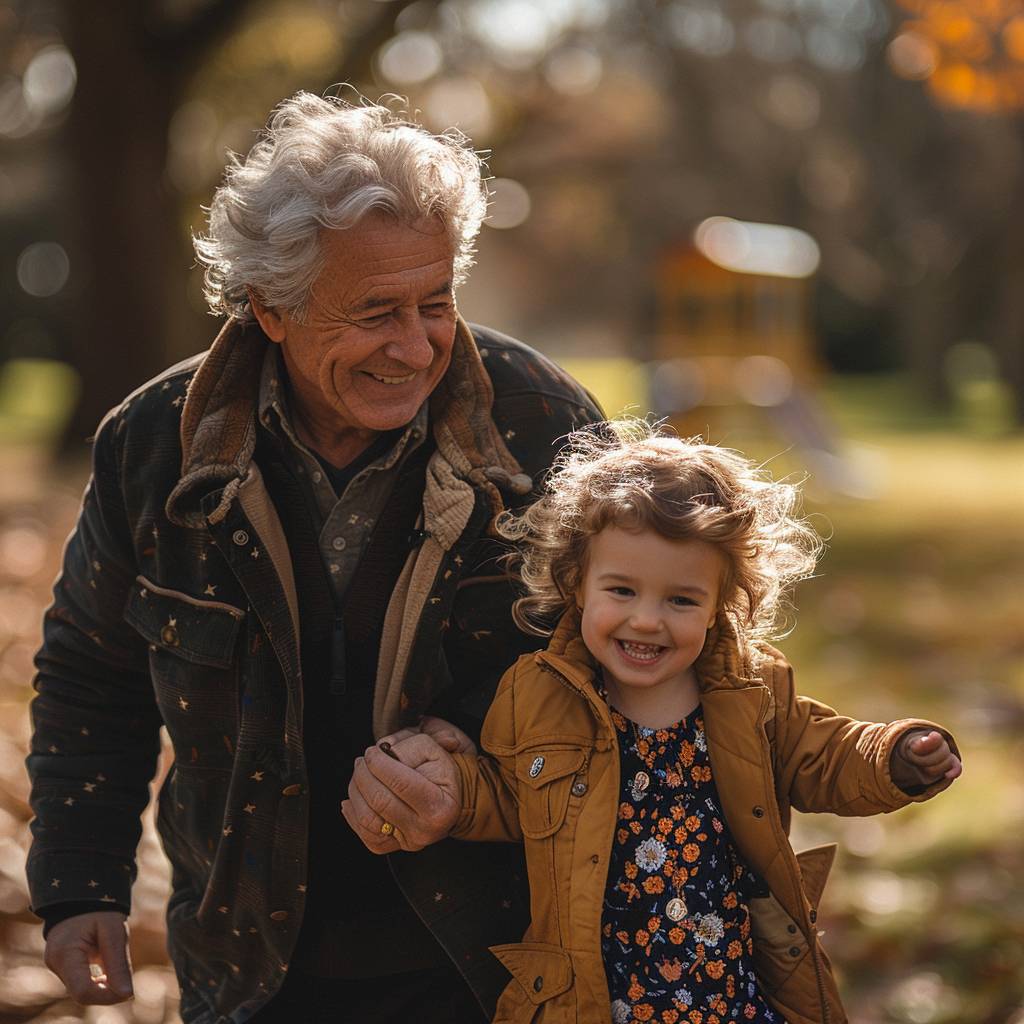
x,y
734,348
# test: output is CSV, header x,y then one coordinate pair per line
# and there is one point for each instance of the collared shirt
x,y
345,521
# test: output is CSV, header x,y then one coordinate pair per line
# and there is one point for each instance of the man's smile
x,y
383,379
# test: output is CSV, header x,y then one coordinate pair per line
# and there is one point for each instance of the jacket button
x,y
758,812
240,537
538,983
579,788
293,790
169,635
791,928
794,951
279,915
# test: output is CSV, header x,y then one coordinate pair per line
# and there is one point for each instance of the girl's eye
x,y
681,602
621,591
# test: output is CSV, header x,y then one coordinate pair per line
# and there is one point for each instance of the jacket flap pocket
x,y
540,766
543,971
545,777
815,864
203,632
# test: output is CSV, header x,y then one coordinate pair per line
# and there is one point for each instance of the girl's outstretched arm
x,y
828,762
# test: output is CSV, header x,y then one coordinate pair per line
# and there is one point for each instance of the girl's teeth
x,y
643,652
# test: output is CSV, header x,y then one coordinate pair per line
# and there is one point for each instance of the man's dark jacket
x,y
177,606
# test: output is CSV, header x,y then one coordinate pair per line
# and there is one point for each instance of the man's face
x,y
378,329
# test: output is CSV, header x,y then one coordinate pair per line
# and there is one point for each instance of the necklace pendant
x,y
676,909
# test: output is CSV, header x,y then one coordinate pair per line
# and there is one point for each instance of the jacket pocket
x,y
781,948
545,776
540,974
201,632
194,669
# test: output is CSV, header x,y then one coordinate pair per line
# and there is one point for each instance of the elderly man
x,y
284,554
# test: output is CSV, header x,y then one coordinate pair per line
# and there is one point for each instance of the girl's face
x,y
647,604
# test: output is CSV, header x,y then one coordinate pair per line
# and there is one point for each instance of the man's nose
x,y
411,346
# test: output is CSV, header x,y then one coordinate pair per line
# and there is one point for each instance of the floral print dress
x,y
675,934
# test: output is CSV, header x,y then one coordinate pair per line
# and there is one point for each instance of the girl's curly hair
x,y
630,474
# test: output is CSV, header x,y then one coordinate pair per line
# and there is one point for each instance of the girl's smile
x,y
647,603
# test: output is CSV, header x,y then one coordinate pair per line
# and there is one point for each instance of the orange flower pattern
x,y
672,841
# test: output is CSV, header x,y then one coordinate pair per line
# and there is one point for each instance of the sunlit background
x,y
793,226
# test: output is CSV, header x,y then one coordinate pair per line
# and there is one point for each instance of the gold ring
x,y
386,828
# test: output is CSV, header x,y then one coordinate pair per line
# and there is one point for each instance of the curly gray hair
x,y
326,163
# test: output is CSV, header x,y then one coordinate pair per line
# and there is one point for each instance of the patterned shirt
x,y
675,934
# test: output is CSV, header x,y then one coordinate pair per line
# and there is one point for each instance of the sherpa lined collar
x,y
218,424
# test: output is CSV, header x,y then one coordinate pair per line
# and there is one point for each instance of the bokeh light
x,y
43,269
410,58
574,70
701,28
509,205
763,380
792,102
49,81
461,102
749,248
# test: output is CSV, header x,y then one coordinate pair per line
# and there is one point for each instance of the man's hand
x,y
89,953
416,791
922,758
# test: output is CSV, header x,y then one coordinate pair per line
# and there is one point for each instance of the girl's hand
x,y
922,758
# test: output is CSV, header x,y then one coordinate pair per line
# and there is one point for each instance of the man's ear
x,y
267,317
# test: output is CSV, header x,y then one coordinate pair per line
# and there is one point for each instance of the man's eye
x,y
377,318
436,308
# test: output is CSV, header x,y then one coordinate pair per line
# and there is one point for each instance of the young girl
x,y
650,756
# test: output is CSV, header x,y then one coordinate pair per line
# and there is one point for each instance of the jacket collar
x,y
218,425
722,665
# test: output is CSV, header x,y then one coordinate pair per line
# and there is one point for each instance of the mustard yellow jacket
x,y
770,750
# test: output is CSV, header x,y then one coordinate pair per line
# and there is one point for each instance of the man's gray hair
x,y
325,163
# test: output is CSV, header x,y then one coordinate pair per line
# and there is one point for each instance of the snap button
x,y
579,788
794,950
791,928
293,790
240,537
317,476
279,915
339,543
758,812
536,767
595,859
538,983
169,635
